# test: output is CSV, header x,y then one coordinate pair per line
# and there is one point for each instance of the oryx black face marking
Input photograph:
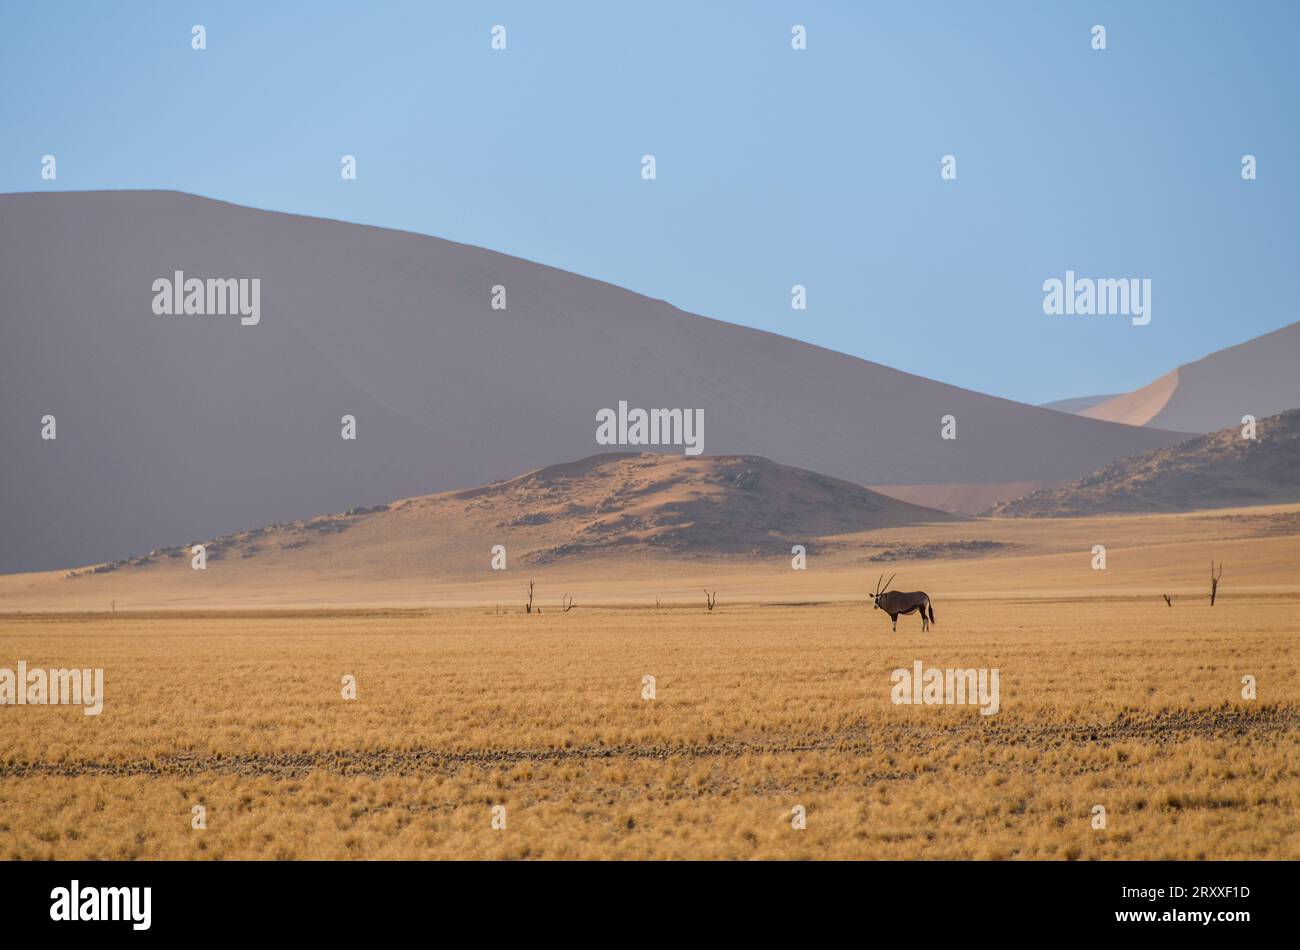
x,y
896,602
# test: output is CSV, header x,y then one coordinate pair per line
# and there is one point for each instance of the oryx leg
x,y
894,618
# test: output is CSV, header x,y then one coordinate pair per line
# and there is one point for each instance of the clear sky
x,y
775,166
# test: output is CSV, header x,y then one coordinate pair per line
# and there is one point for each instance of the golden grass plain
x,y
1108,697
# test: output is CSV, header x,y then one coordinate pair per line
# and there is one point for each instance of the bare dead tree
x,y
1214,581
1167,600
528,607
711,599
567,602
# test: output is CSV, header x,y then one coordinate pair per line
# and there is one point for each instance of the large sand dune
x,y
179,427
1257,378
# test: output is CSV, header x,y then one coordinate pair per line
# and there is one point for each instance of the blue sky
x,y
775,167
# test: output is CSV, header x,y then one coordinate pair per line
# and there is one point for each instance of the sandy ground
x,y
429,563
1117,702
780,699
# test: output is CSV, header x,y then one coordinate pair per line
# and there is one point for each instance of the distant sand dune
x,y
1256,378
176,427
1138,407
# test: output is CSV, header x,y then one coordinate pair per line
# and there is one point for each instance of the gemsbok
x,y
896,602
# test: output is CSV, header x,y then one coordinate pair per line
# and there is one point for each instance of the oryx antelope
x,y
897,602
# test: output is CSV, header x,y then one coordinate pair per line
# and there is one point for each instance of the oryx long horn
x,y
891,579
